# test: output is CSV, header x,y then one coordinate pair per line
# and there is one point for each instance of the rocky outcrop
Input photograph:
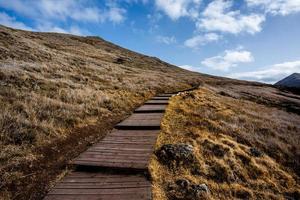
x,y
176,154
183,189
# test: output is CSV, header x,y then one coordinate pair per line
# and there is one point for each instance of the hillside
x,y
292,81
226,147
61,93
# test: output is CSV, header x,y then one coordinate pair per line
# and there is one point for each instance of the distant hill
x,y
292,81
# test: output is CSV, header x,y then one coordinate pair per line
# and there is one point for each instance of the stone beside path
x,y
116,168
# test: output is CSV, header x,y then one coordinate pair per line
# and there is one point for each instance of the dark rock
x,y
120,60
182,183
183,189
255,152
178,154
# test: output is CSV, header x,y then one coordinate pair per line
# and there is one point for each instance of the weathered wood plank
x,y
157,102
84,185
151,109
105,163
124,152
160,98
134,133
141,121
165,95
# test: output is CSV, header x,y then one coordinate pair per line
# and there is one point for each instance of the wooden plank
x,y
84,185
160,98
100,176
100,191
165,95
111,157
103,148
146,116
157,102
136,196
126,152
128,165
101,185
132,138
133,146
151,109
138,121
134,133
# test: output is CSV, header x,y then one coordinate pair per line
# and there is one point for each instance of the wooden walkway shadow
x,y
125,151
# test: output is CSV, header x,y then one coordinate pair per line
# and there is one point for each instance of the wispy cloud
x,y
276,7
61,16
270,74
10,21
68,9
166,40
179,8
228,59
7,20
199,40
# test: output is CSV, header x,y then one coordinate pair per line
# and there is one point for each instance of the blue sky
x,y
250,39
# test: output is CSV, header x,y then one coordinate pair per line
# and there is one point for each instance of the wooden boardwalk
x,y
125,151
96,186
121,148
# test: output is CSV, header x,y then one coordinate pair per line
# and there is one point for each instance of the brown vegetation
x,y
243,149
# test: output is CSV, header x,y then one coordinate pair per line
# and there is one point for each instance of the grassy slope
x,y
223,125
61,93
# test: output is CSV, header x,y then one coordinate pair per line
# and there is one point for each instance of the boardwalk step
x,y
141,121
128,152
157,102
95,186
160,98
151,109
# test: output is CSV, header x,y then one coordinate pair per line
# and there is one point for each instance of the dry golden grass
x,y
222,131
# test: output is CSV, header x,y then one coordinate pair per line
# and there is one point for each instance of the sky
x,y
256,40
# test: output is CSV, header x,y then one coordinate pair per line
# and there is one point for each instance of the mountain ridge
x,y
292,81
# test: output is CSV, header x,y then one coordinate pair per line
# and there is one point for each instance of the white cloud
x,y
270,74
115,14
199,40
45,10
179,8
47,13
218,17
12,22
277,7
229,59
49,27
166,40
9,21
189,67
